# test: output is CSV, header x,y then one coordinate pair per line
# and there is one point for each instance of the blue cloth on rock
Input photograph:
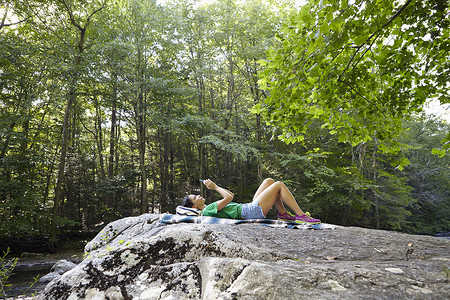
x,y
167,219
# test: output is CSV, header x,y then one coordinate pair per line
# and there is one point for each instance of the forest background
x,y
117,108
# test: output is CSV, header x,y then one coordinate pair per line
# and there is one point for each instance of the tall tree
x,y
79,18
146,38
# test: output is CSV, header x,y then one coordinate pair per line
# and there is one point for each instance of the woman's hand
x,y
210,184
226,194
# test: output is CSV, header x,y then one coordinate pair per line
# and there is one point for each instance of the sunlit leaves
x,y
360,65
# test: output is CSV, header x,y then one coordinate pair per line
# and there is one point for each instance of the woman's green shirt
x,y
231,211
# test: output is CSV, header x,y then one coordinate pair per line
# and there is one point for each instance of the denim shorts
x,y
252,211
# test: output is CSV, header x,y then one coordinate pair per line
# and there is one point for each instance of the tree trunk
x,y
201,174
347,208
70,100
112,148
374,180
141,134
112,136
116,148
165,169
171,169
141,142
99,136
62,158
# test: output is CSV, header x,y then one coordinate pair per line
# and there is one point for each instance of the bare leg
x,y
264,185
277,192
279,205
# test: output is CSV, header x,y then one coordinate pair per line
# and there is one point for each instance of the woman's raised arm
x,y
226,194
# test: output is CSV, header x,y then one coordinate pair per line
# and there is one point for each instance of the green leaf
x,y
438,152
304,15
361,39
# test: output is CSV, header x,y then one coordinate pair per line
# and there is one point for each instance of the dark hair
x,y
187,202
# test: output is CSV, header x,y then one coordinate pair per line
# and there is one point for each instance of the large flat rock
x,y
138,258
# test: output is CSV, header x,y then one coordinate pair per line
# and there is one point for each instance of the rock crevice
x,y
138,258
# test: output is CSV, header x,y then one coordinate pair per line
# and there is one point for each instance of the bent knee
x,y
278,183
269,181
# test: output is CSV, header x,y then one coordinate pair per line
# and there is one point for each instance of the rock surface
x,y
61,267
137,258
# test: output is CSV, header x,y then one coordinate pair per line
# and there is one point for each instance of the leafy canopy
x,y
358,67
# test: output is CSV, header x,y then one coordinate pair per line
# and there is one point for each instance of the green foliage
x,y
316,175
6,268
358,68
428,175
163,95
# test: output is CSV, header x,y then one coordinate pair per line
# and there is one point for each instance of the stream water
x,y
445,235
35,265
23,282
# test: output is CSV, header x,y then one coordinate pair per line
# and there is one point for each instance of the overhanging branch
x,y
362,96
370,37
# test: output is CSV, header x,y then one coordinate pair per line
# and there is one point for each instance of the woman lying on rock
x,y
269,193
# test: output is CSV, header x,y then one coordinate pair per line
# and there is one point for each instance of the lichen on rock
x,y
138,258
